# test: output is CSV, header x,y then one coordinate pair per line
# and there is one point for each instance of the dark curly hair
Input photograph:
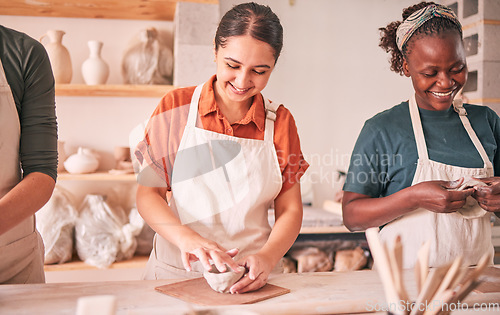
x,y
253,19
434,26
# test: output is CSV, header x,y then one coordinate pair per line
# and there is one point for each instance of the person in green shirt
x,y
410,161
28,153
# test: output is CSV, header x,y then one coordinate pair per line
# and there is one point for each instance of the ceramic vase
x,y
95,70
59,56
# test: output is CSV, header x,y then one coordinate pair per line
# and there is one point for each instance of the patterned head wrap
x,y
418,18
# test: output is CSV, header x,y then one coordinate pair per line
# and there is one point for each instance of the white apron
x,y
21,248
451,234
222,187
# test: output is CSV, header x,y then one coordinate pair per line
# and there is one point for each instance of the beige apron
x,y
222,187
451,234
21,248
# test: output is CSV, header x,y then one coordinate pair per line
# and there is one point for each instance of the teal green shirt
x,y
385,156
29,74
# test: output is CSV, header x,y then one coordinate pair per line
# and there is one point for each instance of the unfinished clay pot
x,y
222,281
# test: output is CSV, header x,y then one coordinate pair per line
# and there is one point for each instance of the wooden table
x,y
311,293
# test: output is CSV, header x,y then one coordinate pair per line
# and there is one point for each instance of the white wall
x,y
332,76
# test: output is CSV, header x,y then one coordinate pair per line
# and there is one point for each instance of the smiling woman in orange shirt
x,y
226,153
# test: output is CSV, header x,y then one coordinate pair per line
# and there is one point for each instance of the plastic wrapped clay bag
x,y
55,221
103,234
148,61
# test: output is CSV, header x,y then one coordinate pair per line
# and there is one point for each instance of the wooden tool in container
x,y
437,287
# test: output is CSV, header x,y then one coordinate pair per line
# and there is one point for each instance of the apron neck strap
x,y
271,109
462,113
193,108
419,134
417,129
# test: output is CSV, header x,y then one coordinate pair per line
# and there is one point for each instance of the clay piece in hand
x,y
222,281
471,183
471,209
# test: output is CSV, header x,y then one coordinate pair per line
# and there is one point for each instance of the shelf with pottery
x,y
97,9
95,72
124,90
84,166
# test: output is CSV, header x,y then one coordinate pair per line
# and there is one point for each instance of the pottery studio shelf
x,y
97,9
125,90
98,176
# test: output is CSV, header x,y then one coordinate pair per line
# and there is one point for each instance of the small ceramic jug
x,y
59,56
95,70
84,161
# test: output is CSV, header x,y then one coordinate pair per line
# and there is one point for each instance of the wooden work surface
x,y
311,293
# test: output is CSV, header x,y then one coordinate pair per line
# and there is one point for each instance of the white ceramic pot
x,y
84,161
95,70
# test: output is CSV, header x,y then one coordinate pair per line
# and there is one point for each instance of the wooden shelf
x,y
99,176
134,262
125,90
325,230
96,9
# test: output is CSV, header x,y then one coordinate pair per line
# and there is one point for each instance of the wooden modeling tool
x,y
383,266
471,281
429,288
423,263
441,299
437,286
396,262
450,276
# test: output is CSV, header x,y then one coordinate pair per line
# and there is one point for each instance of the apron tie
x,y
458,106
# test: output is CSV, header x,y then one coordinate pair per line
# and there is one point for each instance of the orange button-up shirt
x,y
166,126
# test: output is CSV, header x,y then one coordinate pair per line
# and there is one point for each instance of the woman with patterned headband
x,y
429,163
